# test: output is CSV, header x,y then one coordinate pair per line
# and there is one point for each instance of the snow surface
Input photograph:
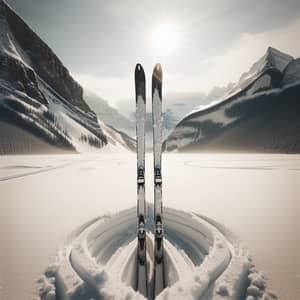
x,y
104,253
259,189
67,119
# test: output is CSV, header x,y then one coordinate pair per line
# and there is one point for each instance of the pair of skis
x,y
140,88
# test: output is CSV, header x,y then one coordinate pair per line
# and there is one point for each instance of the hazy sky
x,y
210,42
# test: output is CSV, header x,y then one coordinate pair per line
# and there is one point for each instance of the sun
x,y
165,39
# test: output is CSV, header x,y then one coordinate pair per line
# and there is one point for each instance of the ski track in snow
x,y
262,167
202,261
11,171
41,170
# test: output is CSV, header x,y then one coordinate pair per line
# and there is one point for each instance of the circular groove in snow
x,y
199,259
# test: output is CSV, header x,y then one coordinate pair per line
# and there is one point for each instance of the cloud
x,y
207,73
109,88
247,49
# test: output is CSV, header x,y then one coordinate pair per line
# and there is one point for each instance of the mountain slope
x,y
108,114
39,96
258,114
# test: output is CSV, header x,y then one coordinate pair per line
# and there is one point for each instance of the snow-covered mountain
x,y
176,105
41,106
108,114
259,113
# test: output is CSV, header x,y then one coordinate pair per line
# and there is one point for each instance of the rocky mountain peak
x,y
277,59
36,54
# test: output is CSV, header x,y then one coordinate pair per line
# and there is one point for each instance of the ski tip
x,y
157,72
140,82
139,71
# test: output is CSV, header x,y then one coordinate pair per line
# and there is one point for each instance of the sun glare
x,y
165,39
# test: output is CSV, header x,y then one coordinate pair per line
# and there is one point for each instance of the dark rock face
x,y
45,63
21,77
38,96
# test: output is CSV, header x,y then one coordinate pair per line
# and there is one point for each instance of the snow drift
x,y
203,260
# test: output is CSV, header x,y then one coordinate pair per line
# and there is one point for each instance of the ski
x,y
159,280
140,92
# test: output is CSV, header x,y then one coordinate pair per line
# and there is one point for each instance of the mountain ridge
x,y
38,95
46,63
108,114
265,79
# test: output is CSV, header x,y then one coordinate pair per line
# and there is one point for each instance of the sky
x,y
200,44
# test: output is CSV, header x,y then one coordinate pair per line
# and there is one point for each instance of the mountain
x,y
108,114
41,106
117,138
260,113
175,107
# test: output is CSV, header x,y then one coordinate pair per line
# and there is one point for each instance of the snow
x,y
218,116
195,284
208,253
279,59
102,256
182,136
200,251
69,117
291,74
263,82
9,46
66,118
185,134
272,59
